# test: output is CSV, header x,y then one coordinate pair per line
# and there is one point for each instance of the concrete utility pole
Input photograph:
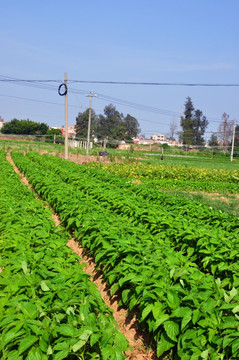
x,y
233,139
89,122
66,120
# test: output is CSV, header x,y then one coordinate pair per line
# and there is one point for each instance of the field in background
x,y
171,155
220,199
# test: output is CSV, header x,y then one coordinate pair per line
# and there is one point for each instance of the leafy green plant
x,y
171,260
49,308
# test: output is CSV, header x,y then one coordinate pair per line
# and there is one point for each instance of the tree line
x,y
24,127
194,123
112,124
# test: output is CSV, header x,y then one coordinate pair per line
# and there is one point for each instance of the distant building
x,y
1,122
159,137
143,141
71,130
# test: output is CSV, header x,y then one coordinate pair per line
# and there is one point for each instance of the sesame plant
x,y
173,261
49,308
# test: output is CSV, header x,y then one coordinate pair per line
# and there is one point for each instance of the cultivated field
x,y
169,260
172,261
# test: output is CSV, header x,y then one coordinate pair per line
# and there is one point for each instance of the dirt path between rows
x,y
127,322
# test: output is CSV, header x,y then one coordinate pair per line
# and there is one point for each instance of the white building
x,y
159,137
1,122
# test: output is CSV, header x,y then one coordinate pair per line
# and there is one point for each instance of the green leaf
x,y
43,345
196,316
121,341
61,346
211,333
44,286
172,329
13,355
24,267
160,321
235,347
82,340
10,335
65,330
181,312
173,299
205,355
125,294
236,309
94,339
146,311
157,309
29,310
164,345
60,355
27,343
187,317
227,340
34,354
133,302
233,293
49,350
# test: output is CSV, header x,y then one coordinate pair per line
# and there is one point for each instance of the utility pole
x,y
64,93
66,119
89,122
233,139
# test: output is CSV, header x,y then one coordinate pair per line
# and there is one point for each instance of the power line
x,y
40,84
36,100
10,79
153,83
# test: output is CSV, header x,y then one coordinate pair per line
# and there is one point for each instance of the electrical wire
x,y
154,83
44,84
39,84
9,79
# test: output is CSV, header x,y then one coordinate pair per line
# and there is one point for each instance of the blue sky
x,y
175,41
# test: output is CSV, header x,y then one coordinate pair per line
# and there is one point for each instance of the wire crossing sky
x,y
144,57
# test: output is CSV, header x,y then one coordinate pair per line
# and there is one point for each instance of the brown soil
x,y
128,325
22,177
217,196
81,159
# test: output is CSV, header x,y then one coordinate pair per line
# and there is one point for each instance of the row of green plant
x,y
49,308
215,232
198,185
109,186
191,311
181,177
227,203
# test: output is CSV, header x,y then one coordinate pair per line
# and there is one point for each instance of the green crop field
x,y
172,261
49,308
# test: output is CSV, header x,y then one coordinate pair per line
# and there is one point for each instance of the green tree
x,y
111,124
236,143
53,132
132,128
193,125
213,141
200,124
24,127
114,125
82,123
